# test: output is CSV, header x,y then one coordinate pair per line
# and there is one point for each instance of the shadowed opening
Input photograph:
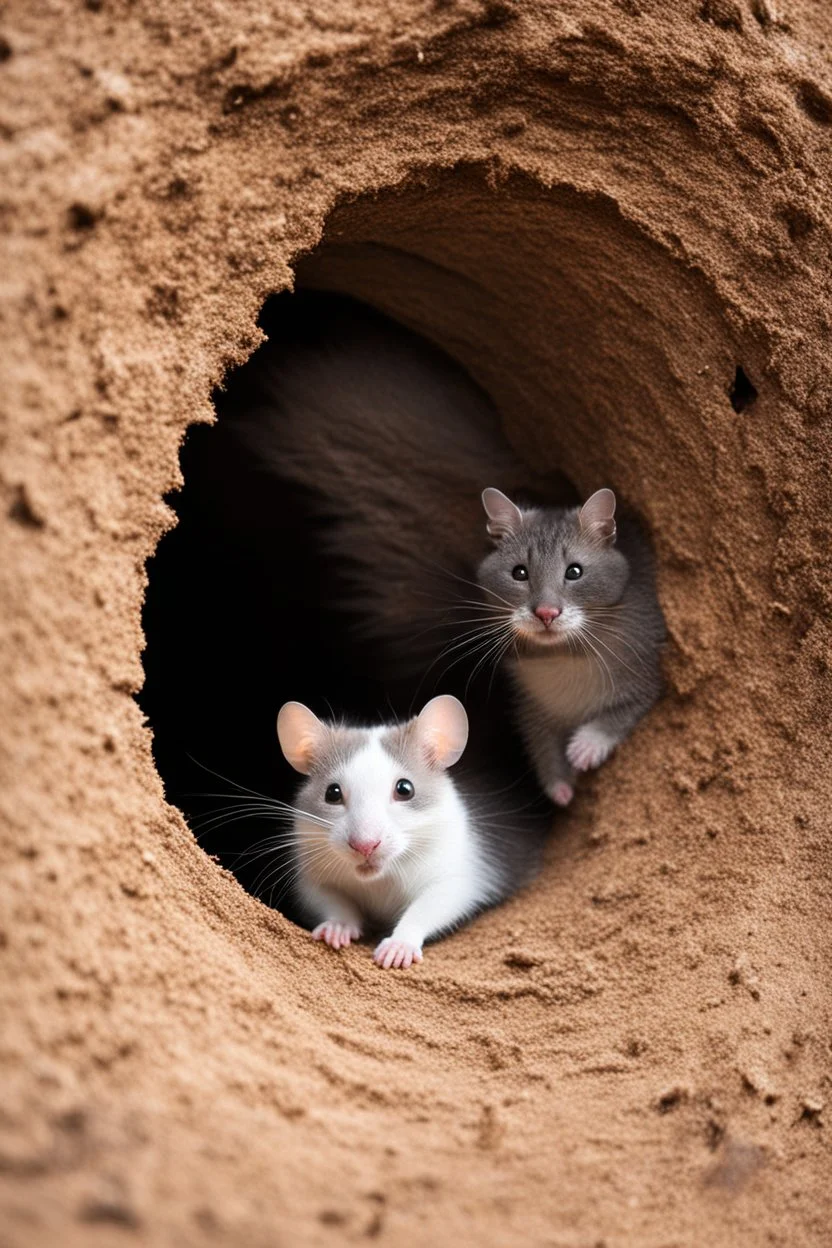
x,y
572,323
743,391
241,615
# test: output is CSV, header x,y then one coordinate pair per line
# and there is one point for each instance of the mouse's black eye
x,y
334,795
520,572
404,790
574,572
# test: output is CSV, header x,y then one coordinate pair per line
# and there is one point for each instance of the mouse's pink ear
x,y
504,516
598,516
442,730
302,736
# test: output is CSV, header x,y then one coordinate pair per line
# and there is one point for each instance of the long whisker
x,y
485,642
493,652
470,636
618,636
603,665
240,787
202,827
301,859
617,657
340,869
511,640
231,810
260,802
204,824
485,618
464,581
469,644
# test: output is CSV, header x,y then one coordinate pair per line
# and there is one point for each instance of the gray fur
x,y
607,671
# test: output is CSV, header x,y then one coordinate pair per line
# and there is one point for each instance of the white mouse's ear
x,y
598,516
301,734
442,730
504,516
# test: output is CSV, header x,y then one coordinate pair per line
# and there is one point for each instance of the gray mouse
x,y
578,599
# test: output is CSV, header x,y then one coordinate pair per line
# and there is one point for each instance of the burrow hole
x,y
239,613
743,392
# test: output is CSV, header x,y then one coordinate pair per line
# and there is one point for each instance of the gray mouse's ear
x,y
597,516
442,730
504,516
302,736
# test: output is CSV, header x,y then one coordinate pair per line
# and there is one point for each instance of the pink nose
x,y
547,614
363,847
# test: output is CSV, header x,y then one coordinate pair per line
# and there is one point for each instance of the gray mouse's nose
x,y
547,614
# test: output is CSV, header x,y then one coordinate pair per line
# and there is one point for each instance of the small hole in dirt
x,y
743,392
815,102
499,12
725,14
671,1099
81,217
798,223
23,510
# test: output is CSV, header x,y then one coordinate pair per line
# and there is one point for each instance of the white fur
x,y
432,873
590,747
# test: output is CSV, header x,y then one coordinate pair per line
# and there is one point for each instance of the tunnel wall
x,y
602,211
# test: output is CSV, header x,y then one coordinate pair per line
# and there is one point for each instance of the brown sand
x,y
602,208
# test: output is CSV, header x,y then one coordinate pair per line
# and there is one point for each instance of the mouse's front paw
x,y
561,793
396,953
589,747
336,935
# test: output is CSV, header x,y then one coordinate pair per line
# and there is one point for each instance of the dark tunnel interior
x,y
238,618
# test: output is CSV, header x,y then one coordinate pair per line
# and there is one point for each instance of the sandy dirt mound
x,y
605,210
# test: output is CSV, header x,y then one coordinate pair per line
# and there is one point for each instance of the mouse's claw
x,y
336,935
396,953
589,747
561,793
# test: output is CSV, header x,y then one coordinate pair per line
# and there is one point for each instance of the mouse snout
x,y
365,845
547,614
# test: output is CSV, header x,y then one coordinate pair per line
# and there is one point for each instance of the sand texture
x,y
603,209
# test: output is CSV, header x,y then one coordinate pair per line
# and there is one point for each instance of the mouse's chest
x,y
569,688
380,901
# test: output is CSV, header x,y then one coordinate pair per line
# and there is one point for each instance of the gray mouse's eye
x,y
574,572
404,790
334,795
520,572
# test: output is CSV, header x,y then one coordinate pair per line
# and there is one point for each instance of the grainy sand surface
x,y
603,209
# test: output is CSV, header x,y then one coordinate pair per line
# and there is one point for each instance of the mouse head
x,y
552,573
372,794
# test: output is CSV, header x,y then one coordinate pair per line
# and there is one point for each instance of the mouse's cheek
x,y
390,848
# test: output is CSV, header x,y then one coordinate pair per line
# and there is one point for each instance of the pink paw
x,y
336,935
589,748
561,793
398,953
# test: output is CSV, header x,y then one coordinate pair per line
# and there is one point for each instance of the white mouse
x,y
383,838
